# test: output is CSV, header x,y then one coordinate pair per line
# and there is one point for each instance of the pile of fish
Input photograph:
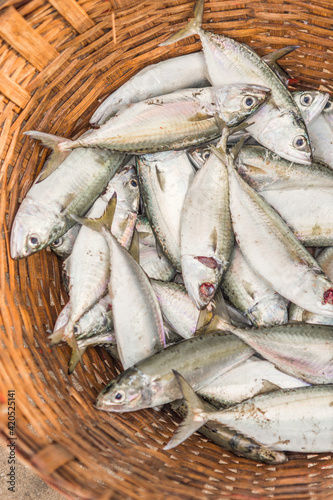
x,y
184,214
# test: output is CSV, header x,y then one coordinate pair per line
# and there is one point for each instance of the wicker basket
x,y
57,59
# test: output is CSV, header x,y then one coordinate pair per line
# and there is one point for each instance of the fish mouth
x,y
17,241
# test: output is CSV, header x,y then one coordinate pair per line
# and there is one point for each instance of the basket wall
x,y
57,58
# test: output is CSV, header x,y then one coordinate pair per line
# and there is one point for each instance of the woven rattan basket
x,y
57,59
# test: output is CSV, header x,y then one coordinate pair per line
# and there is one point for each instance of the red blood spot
x,y
292,81
328,296
208,261
207,289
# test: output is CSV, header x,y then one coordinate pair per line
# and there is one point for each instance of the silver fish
x,y
63,246
301,350
206,232
171,121
88,266
251,295
274,252
137,317
182,72
46,212
234,441
152,261
151,382
320,132
278,125
164,181
299,420
254,376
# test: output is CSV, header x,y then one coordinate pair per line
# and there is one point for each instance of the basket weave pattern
x,y
57,58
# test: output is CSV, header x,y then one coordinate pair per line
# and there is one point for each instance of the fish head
x,y
129,391
234,103
63,245
284,133
271,311
125,183
199,156
35,227
310,103
202,276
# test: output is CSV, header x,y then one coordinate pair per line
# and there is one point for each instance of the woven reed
x,y
57,58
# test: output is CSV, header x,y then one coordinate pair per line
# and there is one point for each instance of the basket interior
x,y
57,59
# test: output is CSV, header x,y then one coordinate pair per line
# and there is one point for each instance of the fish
x,y
182,72
254,376
151,383
234,441
301,350
154,263
164,181
46,212
206,231
137,317
63,246
251,295
298,420
273,251
172,121
278,125
296,313
88,266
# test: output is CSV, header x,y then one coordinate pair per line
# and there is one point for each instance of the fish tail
x,y
57,336
191,28
59,153
104,221
196,414
76,356
279,53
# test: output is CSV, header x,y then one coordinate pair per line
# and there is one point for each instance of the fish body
x,y
301,350
63,246
88,266
233,441
254,376
251,294
321,132
154,263
173,121
206,232
274,252
151,382
164,77
46,212
164,181
298,420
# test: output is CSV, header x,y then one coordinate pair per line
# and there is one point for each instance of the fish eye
x,y
57,243
328,105
300,142
119,396
33,241
249,101
206,154
77,330
134,183
306,99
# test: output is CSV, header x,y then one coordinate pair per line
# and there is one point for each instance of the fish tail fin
x,y
58,155
76,356
279,53
192,27
57,336
76,351
196,415
104,221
